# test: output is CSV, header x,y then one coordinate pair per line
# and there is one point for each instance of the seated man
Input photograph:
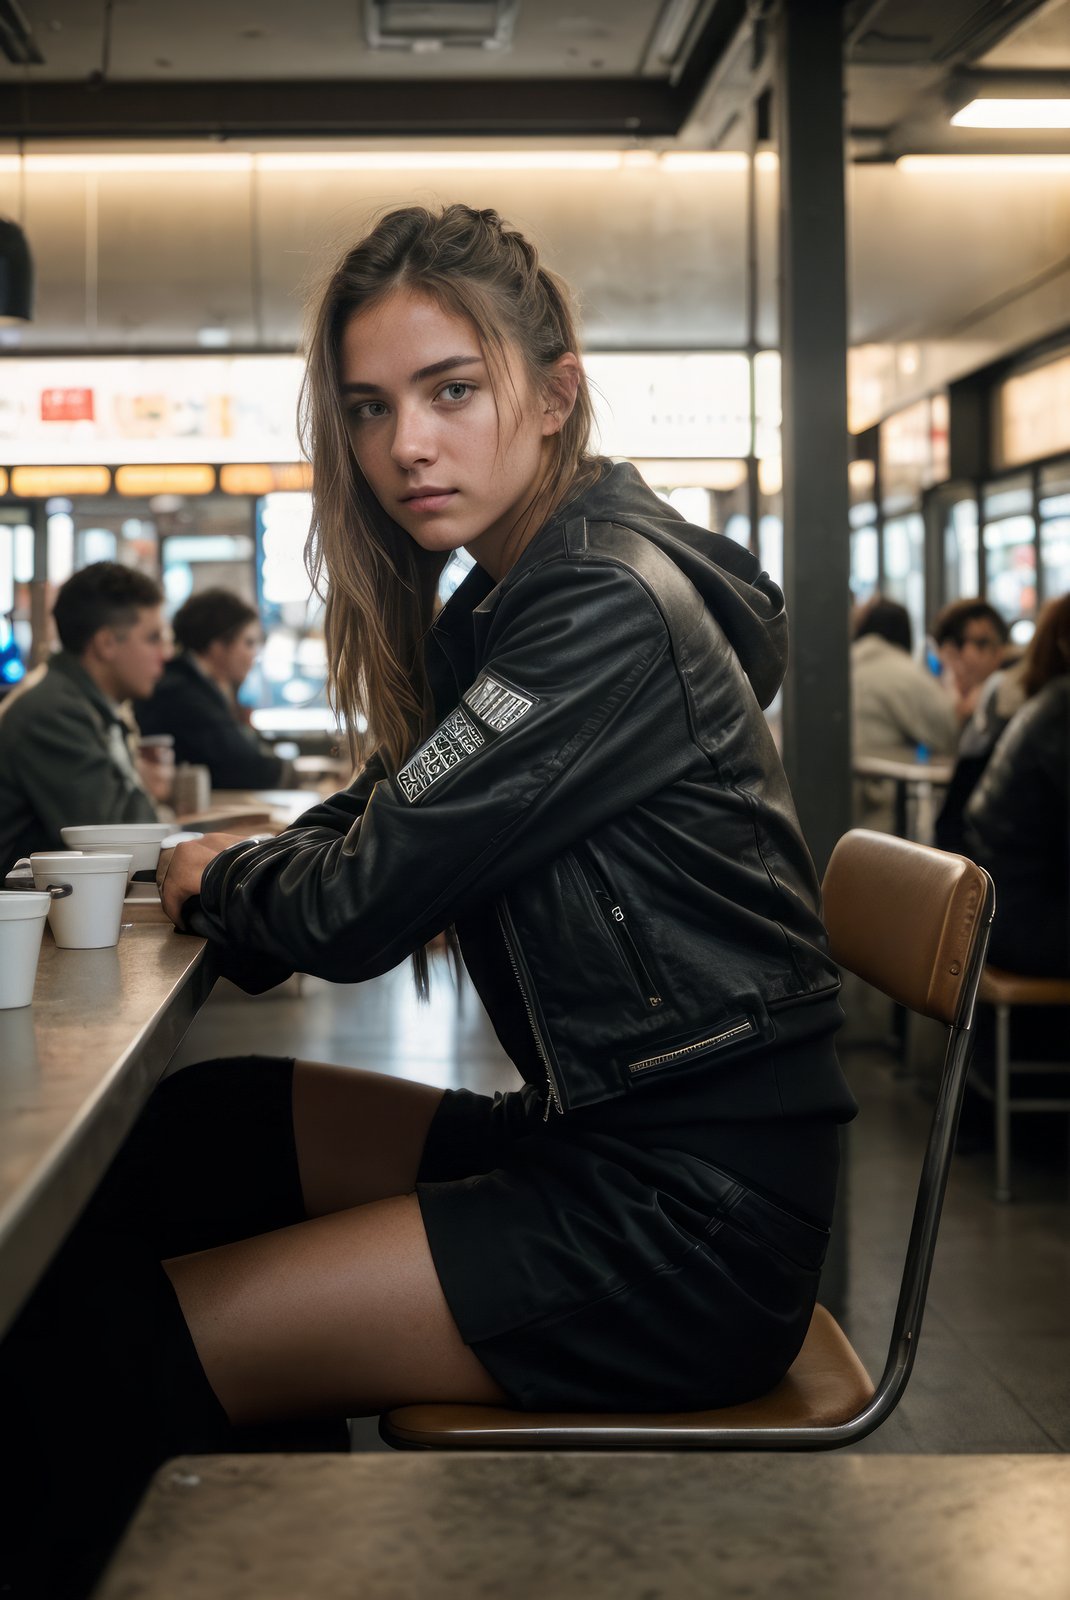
x,y
897,706
64,756
197,701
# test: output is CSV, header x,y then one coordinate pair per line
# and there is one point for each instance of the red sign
x,y
66,405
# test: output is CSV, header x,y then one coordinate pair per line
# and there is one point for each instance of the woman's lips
x,y
429,500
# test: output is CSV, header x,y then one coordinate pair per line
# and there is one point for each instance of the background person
x,y
1018,818
65,754
573,770
897,705
971,638
219,636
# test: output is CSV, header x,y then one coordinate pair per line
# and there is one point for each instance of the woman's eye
x,y
456,391
367,411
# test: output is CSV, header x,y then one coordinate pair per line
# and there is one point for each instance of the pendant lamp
x,y
16,274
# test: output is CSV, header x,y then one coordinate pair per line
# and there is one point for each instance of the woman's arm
x,y
578,714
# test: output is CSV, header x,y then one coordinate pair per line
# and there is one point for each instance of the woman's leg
x,y
359,1135
343,1314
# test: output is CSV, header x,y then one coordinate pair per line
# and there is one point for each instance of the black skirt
x,y
594,1271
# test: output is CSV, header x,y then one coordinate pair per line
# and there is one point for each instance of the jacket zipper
x,y
614,913
738,1031
553,1098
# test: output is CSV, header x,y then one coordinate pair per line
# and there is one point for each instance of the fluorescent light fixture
x,y
971,165
102,163
694,161
213,338
704,161
674,24
442,161
997,111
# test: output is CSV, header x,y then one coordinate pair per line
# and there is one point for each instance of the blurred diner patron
x,y
196,701
65,754
897,707
971,638
1002,695
1018,819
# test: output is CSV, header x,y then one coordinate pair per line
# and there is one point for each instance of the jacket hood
x,y
745,602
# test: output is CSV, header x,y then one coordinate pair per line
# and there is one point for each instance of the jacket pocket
x,y
735,1031
613,912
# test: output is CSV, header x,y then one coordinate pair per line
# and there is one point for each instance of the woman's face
x,y
427,434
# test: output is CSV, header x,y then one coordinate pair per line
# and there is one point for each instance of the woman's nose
x,y
413,437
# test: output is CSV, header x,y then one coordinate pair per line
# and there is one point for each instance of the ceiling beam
x,y
624,107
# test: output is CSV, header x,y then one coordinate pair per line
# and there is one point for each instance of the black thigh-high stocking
x,y
99,1378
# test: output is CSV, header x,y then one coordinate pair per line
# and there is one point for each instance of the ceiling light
x,y
672,30
704,161
441,161
979,166
991,111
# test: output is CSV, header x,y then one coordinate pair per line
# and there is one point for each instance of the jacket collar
x,y
70,667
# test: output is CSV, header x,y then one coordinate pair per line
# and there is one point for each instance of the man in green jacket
x,y
64,756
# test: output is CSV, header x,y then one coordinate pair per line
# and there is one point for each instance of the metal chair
x,y
1003,991
914,922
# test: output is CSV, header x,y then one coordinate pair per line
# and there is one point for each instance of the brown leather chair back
x,y
904,918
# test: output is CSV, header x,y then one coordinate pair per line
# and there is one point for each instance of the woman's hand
x,y
180,877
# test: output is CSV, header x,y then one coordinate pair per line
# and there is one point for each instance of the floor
x,y
993,1365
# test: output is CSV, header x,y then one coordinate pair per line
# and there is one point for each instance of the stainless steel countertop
x,y
75,1069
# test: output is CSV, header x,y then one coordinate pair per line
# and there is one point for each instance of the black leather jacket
x,y
601,812
1018,826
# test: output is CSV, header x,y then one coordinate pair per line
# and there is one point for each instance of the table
x,y
75,1069
252,810
599,1527
921,777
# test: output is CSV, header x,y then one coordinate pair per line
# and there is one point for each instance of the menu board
x,y
235,408
1032,415
97,410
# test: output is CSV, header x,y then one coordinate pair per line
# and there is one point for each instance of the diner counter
x,y
604,1526
75,1069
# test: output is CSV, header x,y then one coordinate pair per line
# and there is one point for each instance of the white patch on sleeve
x,y
454,741
495,704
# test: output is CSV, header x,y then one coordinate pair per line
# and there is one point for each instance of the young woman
x,y
570,768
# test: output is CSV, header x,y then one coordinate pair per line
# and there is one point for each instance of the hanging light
x,y
16,274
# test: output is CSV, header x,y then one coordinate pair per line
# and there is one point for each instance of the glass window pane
x,y
1055,529
904,567
962,573
1010,549
865,564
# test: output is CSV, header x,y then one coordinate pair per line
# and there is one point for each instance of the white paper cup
x,y
142,839
88,918
22,922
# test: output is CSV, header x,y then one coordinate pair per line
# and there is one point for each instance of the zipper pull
x,y
617,913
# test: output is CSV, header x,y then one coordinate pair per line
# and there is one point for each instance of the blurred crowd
x,y
109,729
998,716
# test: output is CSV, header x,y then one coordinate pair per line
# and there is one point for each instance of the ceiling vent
x,y
428,25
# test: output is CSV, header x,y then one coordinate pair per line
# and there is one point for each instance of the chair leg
x,y
1003,1095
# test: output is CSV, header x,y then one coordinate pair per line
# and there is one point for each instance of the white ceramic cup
x,y
22,922
89,917
141,839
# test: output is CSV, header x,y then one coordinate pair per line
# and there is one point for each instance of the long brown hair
x,y
1048,655
380,584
